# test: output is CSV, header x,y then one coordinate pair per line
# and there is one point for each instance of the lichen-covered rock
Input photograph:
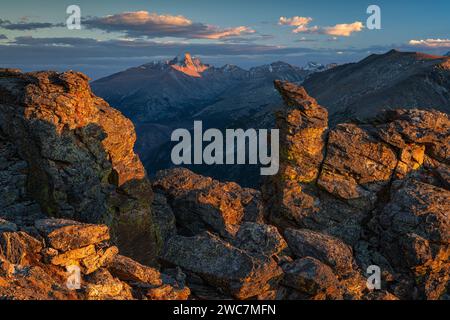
x,y
237,272
32,269
65,235
357,166
16,206
312,277
416,234
325,248
164,218
76,155
262,239
422,127
129,270
203,204
19,247
101,285
380,193
302,124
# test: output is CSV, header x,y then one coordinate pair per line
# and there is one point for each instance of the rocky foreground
x,y
73,193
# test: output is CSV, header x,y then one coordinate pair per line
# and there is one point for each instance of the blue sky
x,y
247,33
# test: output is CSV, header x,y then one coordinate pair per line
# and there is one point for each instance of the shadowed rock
x,y
78,157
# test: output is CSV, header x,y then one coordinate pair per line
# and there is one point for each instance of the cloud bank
x,y
339,30
431,43
153,25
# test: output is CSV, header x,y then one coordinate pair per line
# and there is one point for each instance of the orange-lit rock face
x,y
200,203
34,269
190,66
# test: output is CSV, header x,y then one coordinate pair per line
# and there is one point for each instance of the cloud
x,y
153,25
227,33
339,30
23,26
431,43
344,29
294,21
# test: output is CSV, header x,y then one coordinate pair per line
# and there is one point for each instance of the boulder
x,y
129,270
310,276
65,235
219,263
416,234
259,239
203,204
101,285
325,248
356,166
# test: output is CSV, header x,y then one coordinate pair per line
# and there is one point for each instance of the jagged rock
x,y
423,127
28,270
72,257
77,156
18,247
325,248
103,286
261,239
357,166
302,124
312,277
220,264
201,203
129,270
102,258
65,235
416,233
167,292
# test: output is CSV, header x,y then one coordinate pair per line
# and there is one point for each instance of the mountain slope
x,y
387,81
161,96
185,87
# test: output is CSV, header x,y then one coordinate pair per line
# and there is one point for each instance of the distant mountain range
x,y
184,87
161,96
388,81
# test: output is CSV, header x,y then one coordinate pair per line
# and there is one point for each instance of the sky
x,y
116,35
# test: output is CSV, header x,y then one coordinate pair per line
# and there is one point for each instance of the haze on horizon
x,y
116,36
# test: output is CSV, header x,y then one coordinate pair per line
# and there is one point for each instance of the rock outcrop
x,y
374,193
71,260
204,204
66,153
363,194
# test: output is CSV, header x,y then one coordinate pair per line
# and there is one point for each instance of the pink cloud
x,y
230,32
145,17
150,24
294,21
